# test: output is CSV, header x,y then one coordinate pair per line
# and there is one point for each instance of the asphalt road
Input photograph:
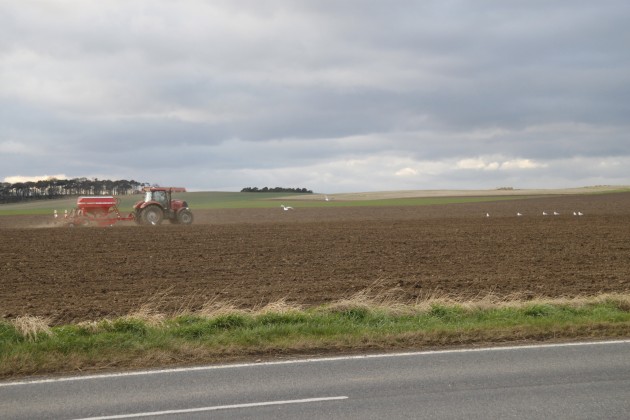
x,y
575,381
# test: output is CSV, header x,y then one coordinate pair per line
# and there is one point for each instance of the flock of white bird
x,y
544,213
287,208
518,214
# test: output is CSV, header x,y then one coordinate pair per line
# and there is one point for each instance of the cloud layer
x,y
332,96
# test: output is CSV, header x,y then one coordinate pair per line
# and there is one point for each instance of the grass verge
x,y
222,333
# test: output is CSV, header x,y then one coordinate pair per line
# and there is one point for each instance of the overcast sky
x,y
330,95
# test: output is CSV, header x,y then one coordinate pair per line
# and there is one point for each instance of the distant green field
x,y
231,200
220,200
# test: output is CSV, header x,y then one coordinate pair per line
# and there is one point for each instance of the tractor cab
x,y
158,195
158,205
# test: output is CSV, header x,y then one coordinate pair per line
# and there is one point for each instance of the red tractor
x,y
158,205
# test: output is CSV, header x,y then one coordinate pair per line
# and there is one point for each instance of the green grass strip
x,y
133,342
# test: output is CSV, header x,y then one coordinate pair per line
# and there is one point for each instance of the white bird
x,y
580,213
518,214
544,213
574,213
326,198
56,215
285,208
487,214
555,213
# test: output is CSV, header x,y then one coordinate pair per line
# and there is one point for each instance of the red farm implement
x,y
95,211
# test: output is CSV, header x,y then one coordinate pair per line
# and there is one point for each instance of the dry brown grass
x,y
278,307
391,302
374,298
91,326
150,311
148,314
388,301
520,300
31,327
214,308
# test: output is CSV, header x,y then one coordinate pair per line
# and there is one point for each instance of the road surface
x,y
572,381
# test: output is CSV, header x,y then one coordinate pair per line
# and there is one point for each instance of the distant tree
x,y
53,188
4,191
277,189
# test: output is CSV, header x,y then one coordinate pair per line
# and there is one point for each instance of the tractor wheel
x,y
152,215
185,217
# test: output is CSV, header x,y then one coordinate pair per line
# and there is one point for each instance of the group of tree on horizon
x,y
277,189
56,188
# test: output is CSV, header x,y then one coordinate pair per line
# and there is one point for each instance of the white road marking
x,y
310,360
214,408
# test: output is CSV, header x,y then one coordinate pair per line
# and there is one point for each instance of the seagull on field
x,y
555,213
326,198
518,214
574,213
487,214
286,208
544,213
580,213
65,214
56,215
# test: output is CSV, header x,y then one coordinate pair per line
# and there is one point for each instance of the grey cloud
x,y
202,84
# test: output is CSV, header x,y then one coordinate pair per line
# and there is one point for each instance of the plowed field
x,y
316,255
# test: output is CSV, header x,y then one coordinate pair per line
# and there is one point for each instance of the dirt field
x,y
317,255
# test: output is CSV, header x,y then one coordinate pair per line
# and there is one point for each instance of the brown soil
x,y
316,255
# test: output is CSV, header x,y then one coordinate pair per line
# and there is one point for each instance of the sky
x,y
333,96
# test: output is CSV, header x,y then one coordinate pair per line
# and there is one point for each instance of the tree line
x,y
56,188
277,189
